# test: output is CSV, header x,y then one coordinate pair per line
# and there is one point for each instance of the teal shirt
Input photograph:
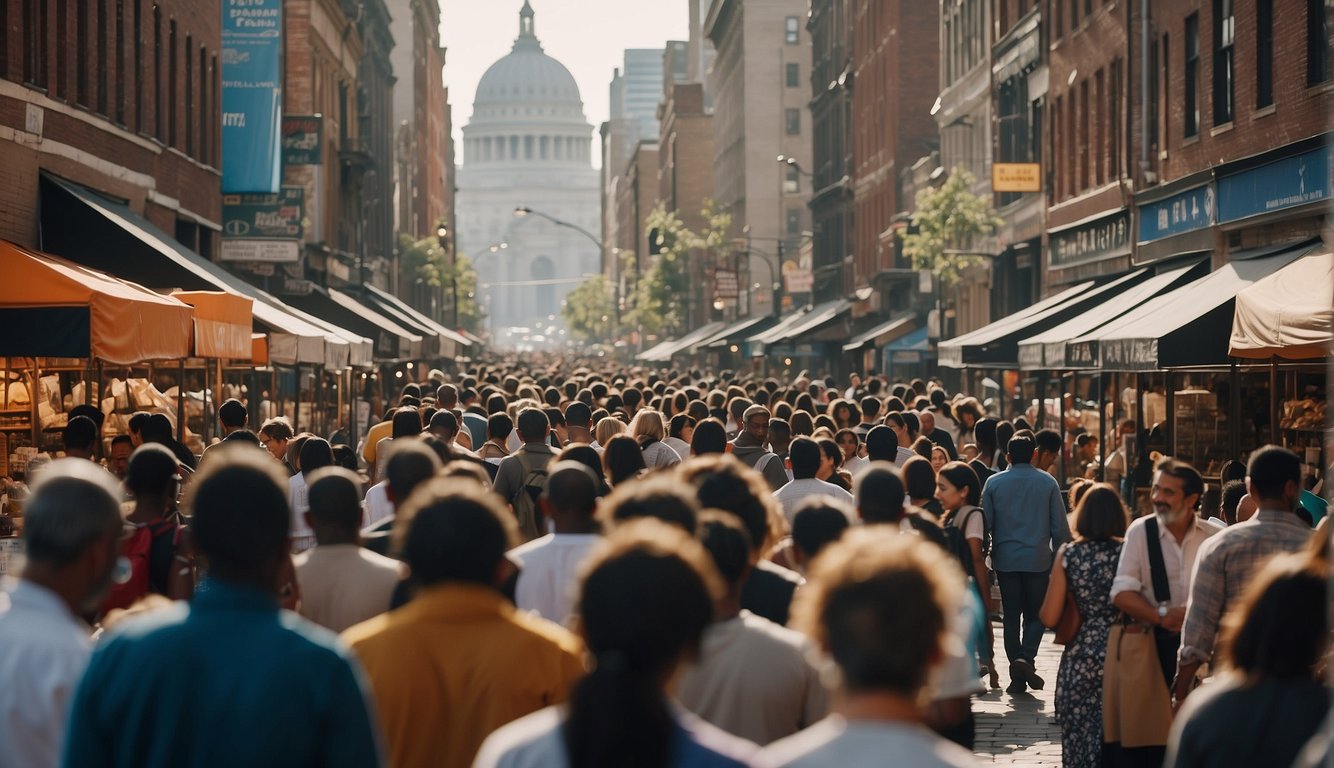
x,y
227,680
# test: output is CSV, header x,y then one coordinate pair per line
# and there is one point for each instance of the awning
x,y
917,341
996,345
1289,314
880,335
737,331
1051,350
222,324
663,352
98,241
802,321
652,351
450,342
391,340
1188,327
50,307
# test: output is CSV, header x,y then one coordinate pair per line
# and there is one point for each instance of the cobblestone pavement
x,y
1020,730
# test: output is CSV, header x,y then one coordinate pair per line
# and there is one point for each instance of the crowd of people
x,y
601,567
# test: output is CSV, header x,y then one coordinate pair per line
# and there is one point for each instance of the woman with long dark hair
x,y
622,460
960,493
709,437
648,594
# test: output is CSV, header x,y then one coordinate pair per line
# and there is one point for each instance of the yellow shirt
x,y
456,663
373,435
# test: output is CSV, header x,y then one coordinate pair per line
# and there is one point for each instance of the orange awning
x,y
125,322
222,323
259,349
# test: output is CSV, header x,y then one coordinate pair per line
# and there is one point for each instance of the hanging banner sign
x,y
252,95
301,139
264,217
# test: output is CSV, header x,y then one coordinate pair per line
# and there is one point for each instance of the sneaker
x,y
1018,677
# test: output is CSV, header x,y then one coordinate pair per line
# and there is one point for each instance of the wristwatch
x,y
1162,613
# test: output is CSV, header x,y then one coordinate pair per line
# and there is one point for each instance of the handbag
x,y
1068,625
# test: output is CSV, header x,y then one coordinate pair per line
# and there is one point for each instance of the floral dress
x,y
1089,569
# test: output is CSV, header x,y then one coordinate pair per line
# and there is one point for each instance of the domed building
x,y
527,145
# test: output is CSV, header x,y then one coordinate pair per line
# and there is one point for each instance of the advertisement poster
x,y
251,95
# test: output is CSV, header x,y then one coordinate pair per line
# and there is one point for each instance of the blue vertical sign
x,y
252,96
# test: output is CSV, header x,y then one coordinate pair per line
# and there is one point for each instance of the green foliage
x,y
949,219
588,310
425,260
470,313
659,299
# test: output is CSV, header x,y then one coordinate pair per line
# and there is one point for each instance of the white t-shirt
x,y
550,565
792,495
659,455
376,506
836,741
303,538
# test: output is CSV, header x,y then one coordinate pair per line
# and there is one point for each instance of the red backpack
x,y
138,549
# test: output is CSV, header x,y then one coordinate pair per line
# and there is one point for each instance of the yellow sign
x,y
1016,177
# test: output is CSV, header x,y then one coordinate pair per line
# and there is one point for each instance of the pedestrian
x,y
79,439
71,536
1025,516
1226,562
818,523
160,557
648,429
498,428
647,597
226,679
879,606
939,457
882,500
547,582
750,449
406,424
682,428
521,475
959,493
119,462
919,479
1083,570
458,661
1269,698
807,457
315,453
850,444
411,465
661,497
898,424
342,583
937,436
274,435
622,460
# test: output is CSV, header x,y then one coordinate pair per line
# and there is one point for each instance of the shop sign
x,y
264,217
252,95
1094,241
798,280
298,287
1286,183
1016,177
272,251
302,139
260,268
725,285
1183,212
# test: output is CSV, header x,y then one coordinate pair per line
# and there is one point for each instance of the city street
x,y
1021,730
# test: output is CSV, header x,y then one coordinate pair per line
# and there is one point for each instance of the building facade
x,y
423,187
685,171
831,83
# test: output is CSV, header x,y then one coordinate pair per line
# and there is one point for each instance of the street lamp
x,y
442,238
524,210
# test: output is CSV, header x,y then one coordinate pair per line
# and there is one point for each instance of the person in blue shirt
x,y
228,679
1025,515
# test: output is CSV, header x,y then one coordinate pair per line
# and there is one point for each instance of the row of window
x,y
527,148
1086,125
963,39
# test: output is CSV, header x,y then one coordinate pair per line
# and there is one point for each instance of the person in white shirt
x,y
342,583
549,565
315,454
805,455
753,678
881,606
72,529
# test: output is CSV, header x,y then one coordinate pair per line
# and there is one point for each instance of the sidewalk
x,y
1020,730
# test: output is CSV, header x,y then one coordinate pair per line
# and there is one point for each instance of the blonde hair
x,y
648,423
608,428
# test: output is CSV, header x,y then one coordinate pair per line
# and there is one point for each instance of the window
x,y
1264,53
1099,129
157,71
103,59
120,62
191,120
171,83
793,31
1225,34
138,39
35,35
1192,74
793,121
1317,40
793,221
62,49
792,75
791,179
1084,149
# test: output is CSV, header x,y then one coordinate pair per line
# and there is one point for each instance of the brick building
x,y
423,172
685,168
121,98
832,131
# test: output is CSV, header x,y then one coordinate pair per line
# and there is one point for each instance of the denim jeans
x,y
1021,599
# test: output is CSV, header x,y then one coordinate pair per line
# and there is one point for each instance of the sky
x,y
588,36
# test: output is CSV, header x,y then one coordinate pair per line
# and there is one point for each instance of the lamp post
x,y
523,210
442,237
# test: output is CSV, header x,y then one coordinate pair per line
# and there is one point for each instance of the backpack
x,y
138,550
957,543
532,482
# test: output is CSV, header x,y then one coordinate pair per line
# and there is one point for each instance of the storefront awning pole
x,y
180,401
296,407
1102,426
1234,411
1274,399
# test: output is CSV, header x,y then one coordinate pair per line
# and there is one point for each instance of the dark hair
x,y
726,484
153,472
622,459
242,436
573,487
880,493
1279,628
499,425
1270,469
710,437
911,422
138,421
158,429
646,597
335,498
315,454
984,434
448,531
232,413
533,424
806,456
680,422
277,429
870,407
1192,484
1020,449
1232,470
80,434
578,414
1005,431
1100,514
585,454
964,477
407,423
1048,440
240,513
882,444
409,465
1233,490
660,497
919,478
817,524
727,543
73,505
830,449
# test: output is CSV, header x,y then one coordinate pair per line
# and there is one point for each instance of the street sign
x,y
298,287
302,139
725,284
273,251
798,280
1016,177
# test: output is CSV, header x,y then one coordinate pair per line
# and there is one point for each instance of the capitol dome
x,y
527,85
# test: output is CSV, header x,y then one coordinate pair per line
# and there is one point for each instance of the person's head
x,y
447,395
728,545
660,497
870,409
119,461
968,411
646,595
723,483
570,497
273,435
71,532
335,506
780,435
232,415
919,479
407,422
80,438
880,604
444,425
1233,490
957,485
968,451
1232,470
647,425
534,426
1177,487
1078,487
448,531
1100,514
710,437
1020,449
315,454
882,444
939,457
755,422
806,456
409,465
833,457
818,523
928,421
136,426
737,407
1047,448
579,416
848,443
240,517
585,454
1274,478
153,478
1280,628
622,459
1086,447
880,493
984,434
499,425
608,427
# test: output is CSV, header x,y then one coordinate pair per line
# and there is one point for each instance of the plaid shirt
x,y
1223,569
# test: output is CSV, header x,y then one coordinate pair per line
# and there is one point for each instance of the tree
x,y
464,275
588,311
660,298
948,222
424,263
